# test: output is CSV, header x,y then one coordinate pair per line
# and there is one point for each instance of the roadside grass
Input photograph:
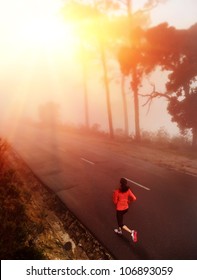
x,y
15,225
156,140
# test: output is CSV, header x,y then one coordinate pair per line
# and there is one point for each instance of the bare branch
x,y
153,95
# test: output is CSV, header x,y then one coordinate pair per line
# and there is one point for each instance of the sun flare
x,y
38,47
49,33
37,24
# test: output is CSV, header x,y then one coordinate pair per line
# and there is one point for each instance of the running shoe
x,y
134,235
118,231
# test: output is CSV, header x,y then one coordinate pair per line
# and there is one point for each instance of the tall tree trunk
x,y
134,85
129,7
84,65
124,106
106,82
86,95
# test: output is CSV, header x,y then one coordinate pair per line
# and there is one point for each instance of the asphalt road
x,y
84,172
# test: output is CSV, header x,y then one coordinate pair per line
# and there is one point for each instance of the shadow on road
x,y
136,248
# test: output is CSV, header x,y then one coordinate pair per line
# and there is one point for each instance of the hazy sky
x,y
179,13
38,63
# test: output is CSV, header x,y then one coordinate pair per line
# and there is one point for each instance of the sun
x,y
49,32
37,47
37,24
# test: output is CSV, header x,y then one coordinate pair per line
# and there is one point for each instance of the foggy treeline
x,y
111,29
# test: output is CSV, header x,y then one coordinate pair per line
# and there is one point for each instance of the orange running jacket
x,y
122,200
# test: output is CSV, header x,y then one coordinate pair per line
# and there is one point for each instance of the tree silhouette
x,y
184,113
131,54
91,21
175,51
131,60
105,33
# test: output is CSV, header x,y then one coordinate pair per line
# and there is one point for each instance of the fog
x,y
24,87
37,69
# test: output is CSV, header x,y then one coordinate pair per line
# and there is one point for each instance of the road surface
x,y
84,171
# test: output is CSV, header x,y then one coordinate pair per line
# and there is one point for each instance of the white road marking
x,y
90,162
139,185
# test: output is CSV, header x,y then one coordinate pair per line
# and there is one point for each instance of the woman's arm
x,y
132,196
115,197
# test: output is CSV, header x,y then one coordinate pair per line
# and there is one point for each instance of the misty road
x,y
84,171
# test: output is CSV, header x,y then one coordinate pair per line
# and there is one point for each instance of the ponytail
x,y
123,185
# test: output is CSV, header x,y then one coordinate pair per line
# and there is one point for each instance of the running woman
x,y
121,198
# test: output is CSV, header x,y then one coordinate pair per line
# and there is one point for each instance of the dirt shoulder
x,y
185,162
54,230
180,160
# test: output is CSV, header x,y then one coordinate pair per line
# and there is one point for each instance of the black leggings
x,y
119,216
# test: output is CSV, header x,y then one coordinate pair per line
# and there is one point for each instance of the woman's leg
x,y
126,228
119,216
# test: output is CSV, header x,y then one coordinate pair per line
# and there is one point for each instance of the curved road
x,y
84,172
